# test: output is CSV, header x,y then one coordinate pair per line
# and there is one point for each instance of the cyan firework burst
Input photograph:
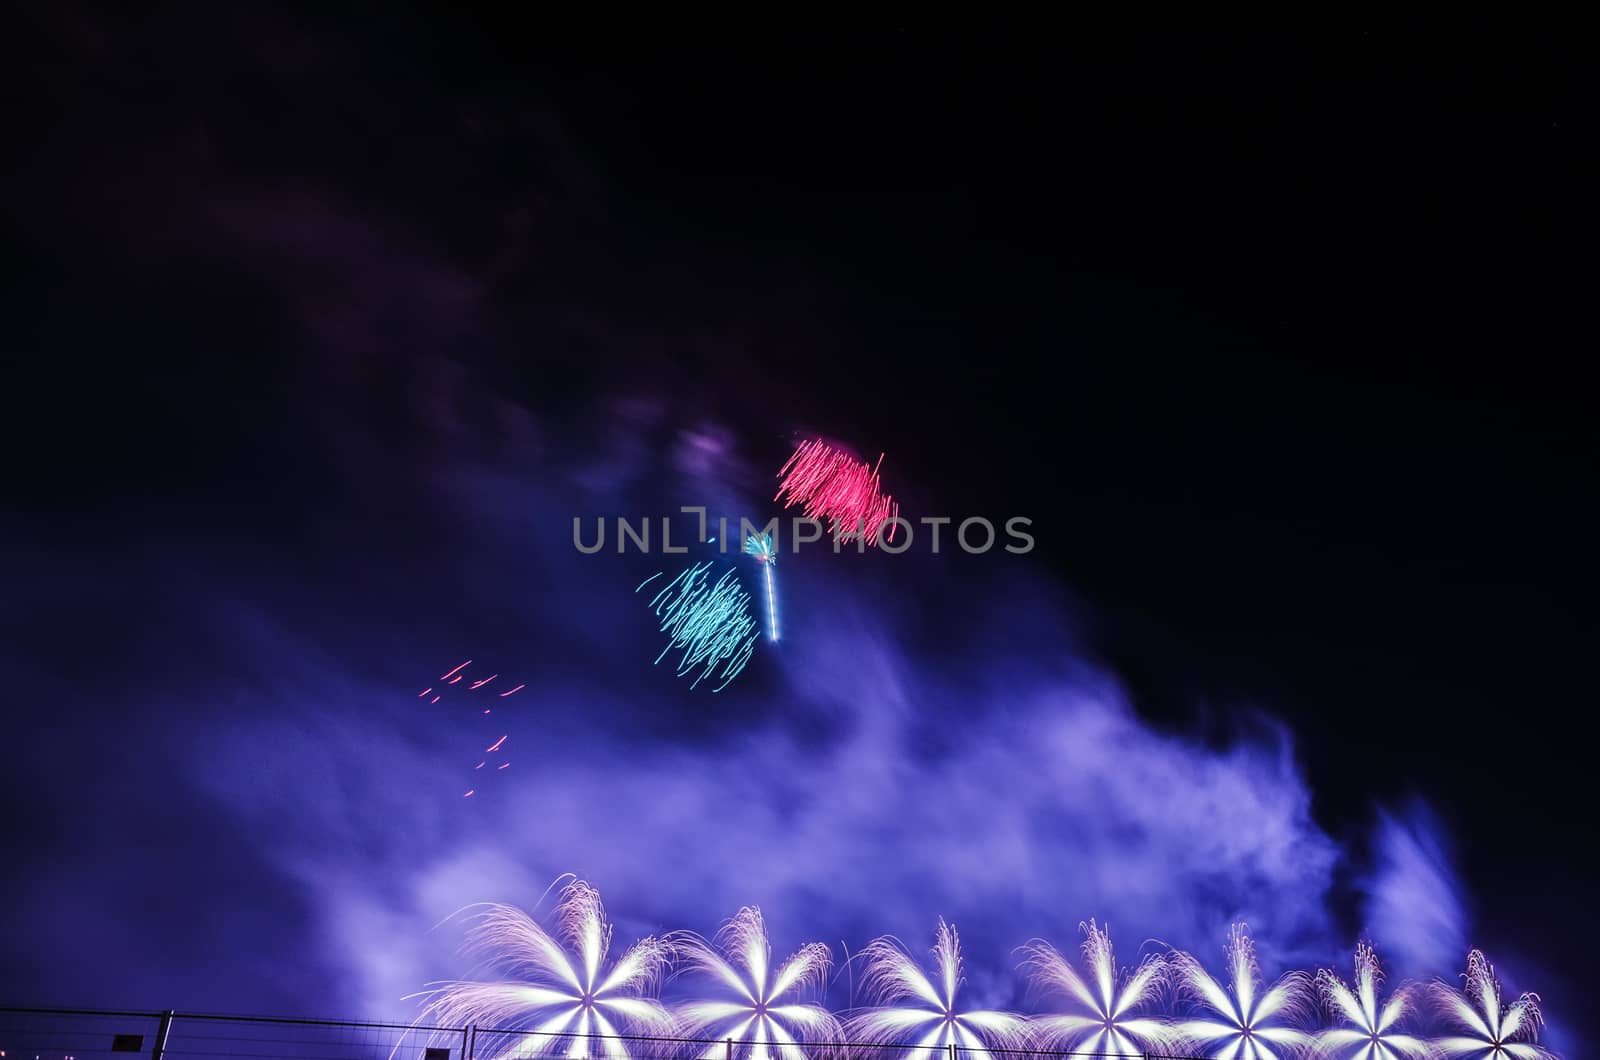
x,y
709,623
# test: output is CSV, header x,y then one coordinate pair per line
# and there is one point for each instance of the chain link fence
x,y
83,1034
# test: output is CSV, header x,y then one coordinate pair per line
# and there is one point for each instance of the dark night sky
x,y
1274,334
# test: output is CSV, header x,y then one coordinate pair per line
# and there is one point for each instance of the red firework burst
x,y
831,484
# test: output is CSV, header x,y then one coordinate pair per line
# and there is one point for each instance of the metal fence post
x,y
472,1042
952,1051
162,1031
730,1048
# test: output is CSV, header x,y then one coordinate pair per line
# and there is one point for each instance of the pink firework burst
x,y
474,693
831,484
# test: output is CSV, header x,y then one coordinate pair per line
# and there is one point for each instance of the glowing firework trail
x,y
1249,1021
496,745
760,546
1492,1030
1106,1020
1372,1034
832,484
559,994
479,684
921,1011
512,691
452,673
710,624
764,1008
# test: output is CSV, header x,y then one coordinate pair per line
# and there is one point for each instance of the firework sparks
x,y
831,484
1106,1021
1372,1034
449,682
710,624
1492,1029
1249,1020
764,1008
560,993
761,547
912,1005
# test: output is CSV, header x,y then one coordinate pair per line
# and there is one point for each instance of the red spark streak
x,y
502,766
497,743
468,795
457,670
486,680
434,700
832,484
456,678
513,692
424,692
480,765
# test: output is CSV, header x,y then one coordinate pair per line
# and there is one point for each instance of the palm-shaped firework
x,y
1107,1004
1492,1030
558,990
766,553
921,1011
1373,1033
1249,1021
763,1005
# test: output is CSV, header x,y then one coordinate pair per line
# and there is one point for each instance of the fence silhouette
x,y
88,1034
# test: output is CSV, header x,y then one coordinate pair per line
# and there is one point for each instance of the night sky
x,y
324,330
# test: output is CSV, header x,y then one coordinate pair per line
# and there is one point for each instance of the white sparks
x,y
1106,1019
1248,1023
559,993
911,1010
1489,1028
766,1009
1373,1032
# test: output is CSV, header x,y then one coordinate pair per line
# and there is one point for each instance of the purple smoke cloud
x,y
856,784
